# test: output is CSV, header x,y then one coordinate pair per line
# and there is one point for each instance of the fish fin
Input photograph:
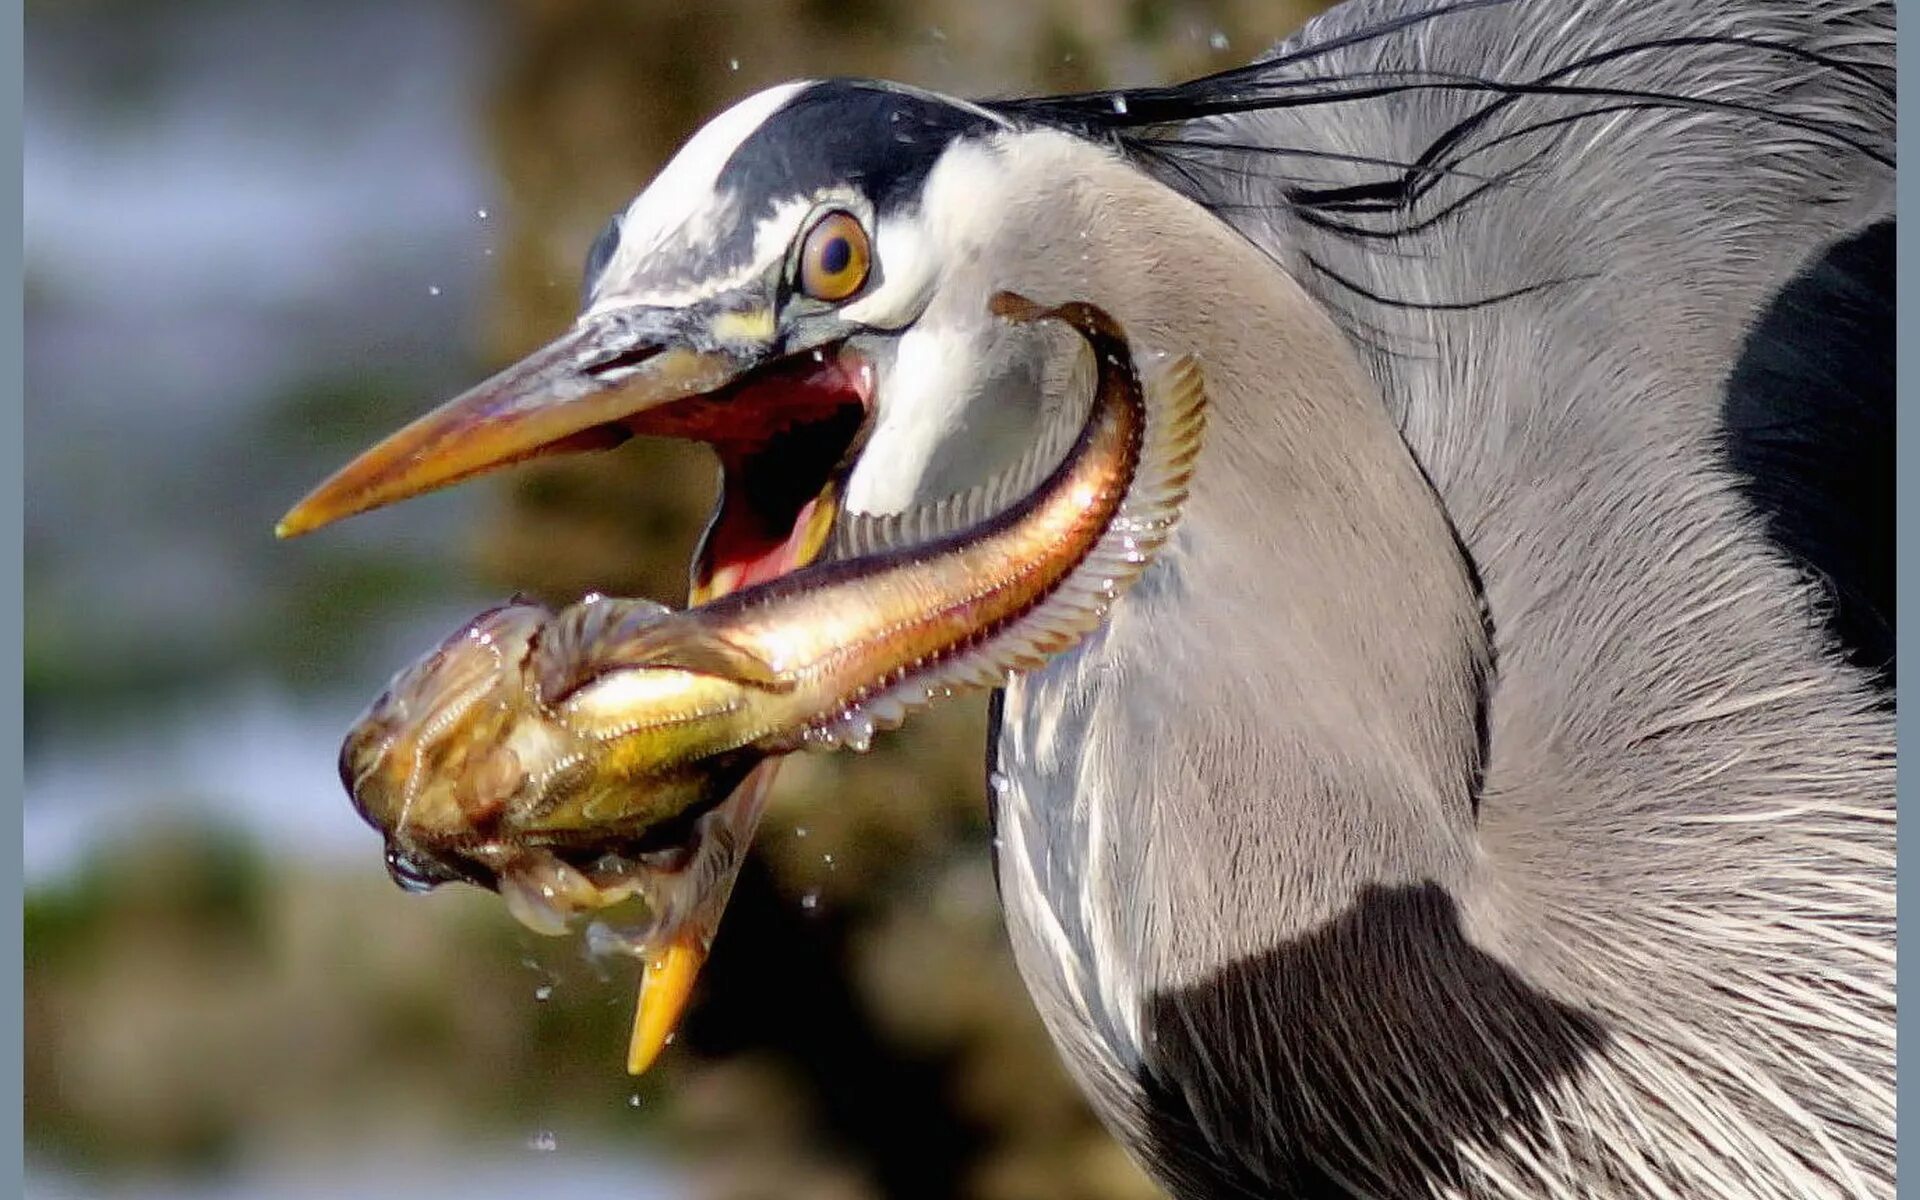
x,y
686,646
1176,427
601,635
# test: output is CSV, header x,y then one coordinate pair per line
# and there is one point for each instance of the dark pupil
x,y
835,255
416,874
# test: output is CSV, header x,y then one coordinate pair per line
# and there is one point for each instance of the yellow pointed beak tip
x,y
665,989
299,519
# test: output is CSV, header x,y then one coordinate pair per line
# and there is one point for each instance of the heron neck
x,y
1291,697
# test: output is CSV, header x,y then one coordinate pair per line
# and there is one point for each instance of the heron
x,y
1488,792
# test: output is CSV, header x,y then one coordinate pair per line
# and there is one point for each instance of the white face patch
x,y
952,406
923,395
909,266
681,202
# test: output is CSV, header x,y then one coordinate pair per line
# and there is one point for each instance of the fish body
x,y
561,748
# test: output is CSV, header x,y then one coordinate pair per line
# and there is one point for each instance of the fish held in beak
x,y
574,760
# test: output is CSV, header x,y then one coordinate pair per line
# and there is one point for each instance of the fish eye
x,y
835,257
415,873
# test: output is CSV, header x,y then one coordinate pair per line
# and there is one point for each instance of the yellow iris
x,y
835,258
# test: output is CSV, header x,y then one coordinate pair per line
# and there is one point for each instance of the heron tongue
x,y
740,559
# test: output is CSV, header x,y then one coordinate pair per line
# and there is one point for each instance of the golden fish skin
x,y
562,747
466,772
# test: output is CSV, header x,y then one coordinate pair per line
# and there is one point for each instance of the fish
x,y
569,759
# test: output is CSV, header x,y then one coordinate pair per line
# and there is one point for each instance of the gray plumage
x,y
1292,933
1489,790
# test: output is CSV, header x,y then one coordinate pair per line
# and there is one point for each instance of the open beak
x,y
589,389
786,429
680,944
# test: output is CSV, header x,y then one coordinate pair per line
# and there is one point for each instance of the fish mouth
x,y
786,429
787,432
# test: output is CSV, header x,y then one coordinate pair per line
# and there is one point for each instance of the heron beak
x,y
786,429
610,376
679,946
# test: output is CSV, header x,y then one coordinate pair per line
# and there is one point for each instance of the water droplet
x,y
819,356
481,213
544,1142
856,730
827,859
799,831
1219,40
1120,105
633,1101
733,64
543,993
810,901
433,289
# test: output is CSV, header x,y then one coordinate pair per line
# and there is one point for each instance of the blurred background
x,y
259,235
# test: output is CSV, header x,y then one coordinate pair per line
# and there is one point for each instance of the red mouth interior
x,y
784,435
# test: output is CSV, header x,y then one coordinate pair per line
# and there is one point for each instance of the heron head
x,y
806,287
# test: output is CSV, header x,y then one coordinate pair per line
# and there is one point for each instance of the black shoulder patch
x,y
881,139
1809,418
1359,1059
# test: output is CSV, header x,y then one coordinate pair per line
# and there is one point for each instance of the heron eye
x,y
835,258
